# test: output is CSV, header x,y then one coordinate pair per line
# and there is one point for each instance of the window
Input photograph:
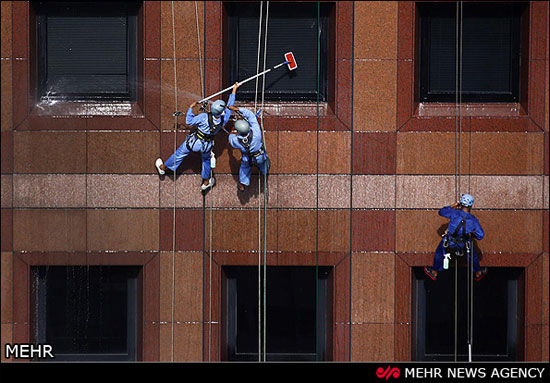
x,y
497,306
491,37
297,306
87,313
86,51
295,32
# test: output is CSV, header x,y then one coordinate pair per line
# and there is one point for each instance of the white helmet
x,y
242,126
217,107
467,200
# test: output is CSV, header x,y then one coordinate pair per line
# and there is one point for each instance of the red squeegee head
x,y
289,56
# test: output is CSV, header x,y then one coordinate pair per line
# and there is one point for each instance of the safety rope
x,y
265,182
458,186
317,184
457,162
260,313
259,188
174,210
204,196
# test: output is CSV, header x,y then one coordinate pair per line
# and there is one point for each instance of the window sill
x,y
287,109
469,110
86,109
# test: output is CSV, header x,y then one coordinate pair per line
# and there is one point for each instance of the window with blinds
x,y
87,51
497,315
489,38
288,31
87,313
298,306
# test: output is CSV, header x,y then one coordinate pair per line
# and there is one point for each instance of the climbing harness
x,y
456,239
252,156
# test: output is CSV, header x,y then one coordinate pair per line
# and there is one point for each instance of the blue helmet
x,y
467,200
217,107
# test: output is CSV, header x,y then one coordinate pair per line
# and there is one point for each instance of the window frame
x,y
134,297
42,9
515,314
326,65
525,116
423,51
323,317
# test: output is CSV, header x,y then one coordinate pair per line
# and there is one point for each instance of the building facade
x,y
360,165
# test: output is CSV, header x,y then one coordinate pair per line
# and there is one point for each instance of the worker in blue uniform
x,y
458,238
249,141
201,140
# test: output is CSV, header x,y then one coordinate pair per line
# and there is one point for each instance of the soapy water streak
x,y
49,105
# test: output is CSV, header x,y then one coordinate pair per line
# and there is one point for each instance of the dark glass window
x,y
297,319
491,37
292,27
497,307
86,313
87,51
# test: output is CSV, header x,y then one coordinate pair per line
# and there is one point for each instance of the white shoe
x,y
211,183
159,162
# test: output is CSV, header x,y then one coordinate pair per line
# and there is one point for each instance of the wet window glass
x,y
86,52
86,312
296,312
295,32
496,308
488,57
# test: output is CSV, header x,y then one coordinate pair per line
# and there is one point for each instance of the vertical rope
x,y
199,47
459,59
259,201
210,280
265,182
317,187
457,161
211,200
470,252
174,210
457,105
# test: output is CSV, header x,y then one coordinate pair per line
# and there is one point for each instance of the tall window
x,y
489,38
87,313
87,51
297,313
291,27
496,316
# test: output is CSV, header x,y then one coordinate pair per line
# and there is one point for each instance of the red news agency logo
x,y
389,372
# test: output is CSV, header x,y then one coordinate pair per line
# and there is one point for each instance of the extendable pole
x,y
244,81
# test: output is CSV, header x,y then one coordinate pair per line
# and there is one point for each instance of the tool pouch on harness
x,y
457,240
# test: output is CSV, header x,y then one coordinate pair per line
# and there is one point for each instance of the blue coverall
x,y
195,143
261,160
472,226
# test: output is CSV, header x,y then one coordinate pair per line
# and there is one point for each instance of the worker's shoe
x,y
211,183
430,272
159,162
241,188
483,273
